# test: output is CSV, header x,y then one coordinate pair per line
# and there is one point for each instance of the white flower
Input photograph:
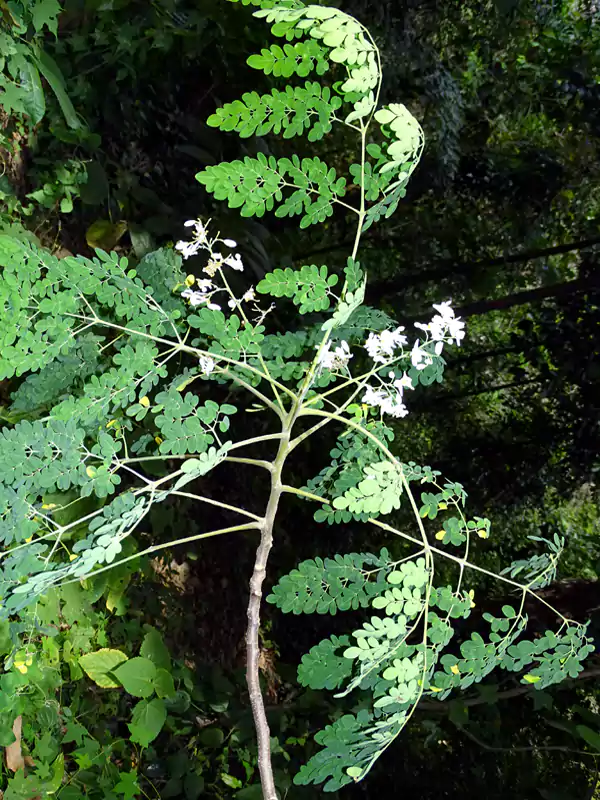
x,y
405,382
187,249
233,261
381,346
456,329
388,403
373,397
204,284
229,242
444,310
207,365
436,328
444,324
419,358
198,298
247,297
336,359
394,407
195,298
200,230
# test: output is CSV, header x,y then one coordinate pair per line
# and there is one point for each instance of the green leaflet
x,y
42,457
346,39
188,427
271,3
407,139
329,585
41,295
43,389
137,370
16,523
351,455
230,335
378,493
325,666
162,271
350,746
286,345
309,287
194,468
298,109
363,319
538,570
345,308
300,58
255,185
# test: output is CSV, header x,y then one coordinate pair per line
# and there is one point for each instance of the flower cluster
x,y
205,288
381,346
445,327
390,397
202,294
334,359
201,241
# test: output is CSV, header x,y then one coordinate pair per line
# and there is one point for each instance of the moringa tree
x,y
162,354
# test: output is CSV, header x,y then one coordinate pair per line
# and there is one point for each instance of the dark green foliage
x,y
162,270
58,379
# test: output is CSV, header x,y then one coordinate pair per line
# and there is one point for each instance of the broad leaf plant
x,y
116,366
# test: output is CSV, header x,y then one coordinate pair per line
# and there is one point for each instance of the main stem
x,y
261,724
